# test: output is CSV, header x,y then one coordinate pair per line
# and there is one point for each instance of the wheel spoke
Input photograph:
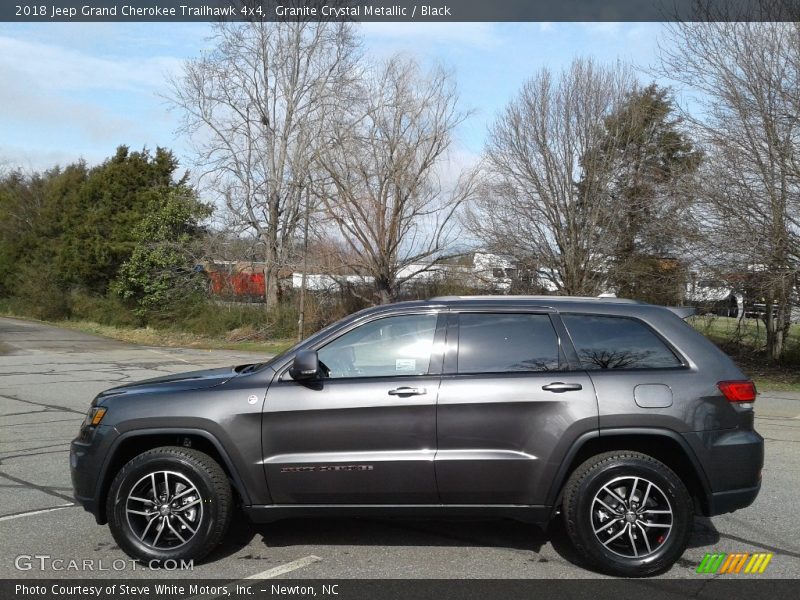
x,y
184,507
188,490
647,493
139,512
146,529
621,531
175,531
631,496
615,496
185,524
613,510
607,525
646,524
644,535
155,488
137,499
160,528
633,541
657,512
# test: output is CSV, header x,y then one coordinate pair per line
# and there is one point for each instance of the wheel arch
x,y
664,445
132,443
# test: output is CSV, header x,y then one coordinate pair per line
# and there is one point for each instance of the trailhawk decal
x,y
326,468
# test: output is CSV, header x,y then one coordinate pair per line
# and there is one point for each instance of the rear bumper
x,y
725,502
732,460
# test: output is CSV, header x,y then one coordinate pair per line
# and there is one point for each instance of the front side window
x,y
505,343
393,346
604,342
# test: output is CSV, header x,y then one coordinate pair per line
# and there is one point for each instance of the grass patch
x,y
750,332
245,339
744,340
768,384
147,336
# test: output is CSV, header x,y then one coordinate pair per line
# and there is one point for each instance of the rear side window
x,y
617,343
503,343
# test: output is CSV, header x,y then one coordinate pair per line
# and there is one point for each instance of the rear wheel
x,y
628,513
169,503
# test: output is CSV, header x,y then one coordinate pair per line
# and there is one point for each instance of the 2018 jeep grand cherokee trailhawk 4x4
x,y
614,413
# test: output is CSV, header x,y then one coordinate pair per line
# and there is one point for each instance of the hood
x,y
180,382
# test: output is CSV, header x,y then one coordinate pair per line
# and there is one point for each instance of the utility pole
x,y
302,317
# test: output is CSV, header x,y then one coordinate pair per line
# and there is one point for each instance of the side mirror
x,y
305,365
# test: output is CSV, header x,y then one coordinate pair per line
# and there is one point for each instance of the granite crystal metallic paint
x,y
500,443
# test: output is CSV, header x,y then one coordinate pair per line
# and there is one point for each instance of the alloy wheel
x,y
631,516
164,510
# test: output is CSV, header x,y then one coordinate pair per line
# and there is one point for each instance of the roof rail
x,y
540,298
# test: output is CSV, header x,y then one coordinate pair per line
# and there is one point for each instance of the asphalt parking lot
x,y
48,376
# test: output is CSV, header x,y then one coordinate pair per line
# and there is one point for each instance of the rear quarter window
x,y
608,342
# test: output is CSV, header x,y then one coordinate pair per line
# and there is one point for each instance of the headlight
x,y
94,416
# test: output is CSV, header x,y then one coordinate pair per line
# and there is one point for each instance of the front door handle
x,y
558,387
407,391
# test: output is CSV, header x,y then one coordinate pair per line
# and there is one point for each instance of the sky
x,y
78,90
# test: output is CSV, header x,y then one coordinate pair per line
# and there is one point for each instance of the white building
x,y
487,270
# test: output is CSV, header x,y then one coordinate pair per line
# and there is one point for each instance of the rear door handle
x,y
559,387
407,391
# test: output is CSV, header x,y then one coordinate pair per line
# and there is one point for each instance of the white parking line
x,y
168,354
288,567
36,512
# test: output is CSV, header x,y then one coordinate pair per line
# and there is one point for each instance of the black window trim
x,y
683,366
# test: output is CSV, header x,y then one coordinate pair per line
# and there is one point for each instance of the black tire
x,y
584,511
210,518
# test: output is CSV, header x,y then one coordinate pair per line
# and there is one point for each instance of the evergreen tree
x,y
74,228
96,225
652,159
159,271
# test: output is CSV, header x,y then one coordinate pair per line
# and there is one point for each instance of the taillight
x,y
738,391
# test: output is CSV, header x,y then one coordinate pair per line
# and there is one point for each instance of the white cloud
x,y
40,159
61,68
60,103
29,103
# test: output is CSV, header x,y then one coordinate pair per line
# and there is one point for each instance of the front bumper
x,y
87,455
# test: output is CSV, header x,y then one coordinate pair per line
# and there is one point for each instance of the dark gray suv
x,y
615,414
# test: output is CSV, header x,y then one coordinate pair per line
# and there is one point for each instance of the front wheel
x,y
628,513
169,503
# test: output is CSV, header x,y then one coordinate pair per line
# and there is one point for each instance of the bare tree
x,y
254,107
380,163
747,78
542,189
